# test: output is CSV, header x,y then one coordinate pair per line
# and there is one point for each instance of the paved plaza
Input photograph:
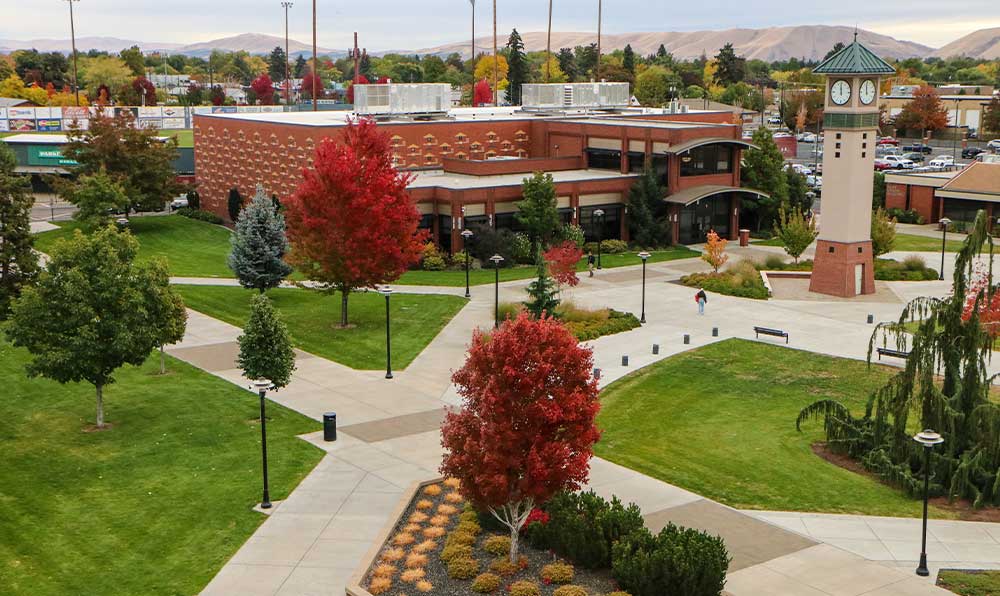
x,y
388,438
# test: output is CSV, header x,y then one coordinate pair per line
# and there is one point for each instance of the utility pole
x,y
597,69
315,64
356,54
72,34
496,63
548,47
288,84
473,3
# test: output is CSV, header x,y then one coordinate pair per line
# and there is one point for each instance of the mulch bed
x,y
962,508
597,583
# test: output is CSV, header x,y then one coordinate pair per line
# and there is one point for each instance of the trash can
x,y
744,237
330,426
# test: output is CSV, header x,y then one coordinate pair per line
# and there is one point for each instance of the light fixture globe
x,y
261,384
928,438
644,255
599,212
945,222
385,291
496,259
467,234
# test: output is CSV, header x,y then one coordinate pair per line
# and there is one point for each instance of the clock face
x,y
867,92
840,92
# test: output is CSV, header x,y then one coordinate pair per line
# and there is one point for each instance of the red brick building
x,y
469,165
957,195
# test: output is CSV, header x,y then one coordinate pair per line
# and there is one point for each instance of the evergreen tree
x,y
259,245
798,190
542,292
567,63
628,59
586,59
991,117
365,66
276,64
539,211
661,52
234,204
18,262
644,201
517,65
300,67
731,68
836,48
265,347
762,170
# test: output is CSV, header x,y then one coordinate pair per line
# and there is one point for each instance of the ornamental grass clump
x,y
453,498
412,575
423,586
432,490
384,570
557,573
434,532
418,517
463,568
412,528
439,520
446,509
424,504
380,585
403,539
486,583
393,554
425,547
416,560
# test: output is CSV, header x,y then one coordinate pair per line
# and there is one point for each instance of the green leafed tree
x,y
731,68
265,347
878,191
645,201
259,245
95,197
763,170
166,315
539,212
542,293
798,191
517,63
883,232
93,310
795,230
18,261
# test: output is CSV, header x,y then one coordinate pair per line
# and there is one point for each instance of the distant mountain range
x,y
811,42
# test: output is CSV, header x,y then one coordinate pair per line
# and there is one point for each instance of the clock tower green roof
x,y
854,59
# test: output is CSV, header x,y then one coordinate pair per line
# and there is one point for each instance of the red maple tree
x,y
526,427
264,89
351,222
482,93
982,301
562,260
308,80
361,80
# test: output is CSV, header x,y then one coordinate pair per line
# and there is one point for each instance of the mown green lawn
x,y
488,276
155,505
970,583
193,248
720,421
915,243
313,320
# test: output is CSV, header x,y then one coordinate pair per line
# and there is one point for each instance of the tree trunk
x,y
515,534
100,404
163,364
344,292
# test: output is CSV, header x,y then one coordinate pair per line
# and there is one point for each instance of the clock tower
x,y
844,264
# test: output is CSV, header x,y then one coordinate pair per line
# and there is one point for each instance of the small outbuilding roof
x,y
14,102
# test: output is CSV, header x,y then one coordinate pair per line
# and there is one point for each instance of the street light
x,y
387,291
496,260
600,233
466,234
262,385
643,255
928,439
945,222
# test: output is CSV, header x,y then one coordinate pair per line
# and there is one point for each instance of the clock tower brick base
x,y
835,268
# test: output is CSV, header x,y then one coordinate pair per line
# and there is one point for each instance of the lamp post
x,y
72,34
387,292
496,260
928,439
954,136
945,222
262,385
643,255
466,234
286,5
599,213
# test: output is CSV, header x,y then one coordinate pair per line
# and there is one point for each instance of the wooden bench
x,y
892,353
768,331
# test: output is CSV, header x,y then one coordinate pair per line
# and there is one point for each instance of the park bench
x,y
768,331
892,353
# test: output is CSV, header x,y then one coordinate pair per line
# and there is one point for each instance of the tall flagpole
x,y
315,64
496,64
548,47
473,3
597,69
288,83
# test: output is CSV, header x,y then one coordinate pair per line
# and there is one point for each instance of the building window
x,y
611,228
864,154
838,146
604,159
707,159
636,161
837,155
838,135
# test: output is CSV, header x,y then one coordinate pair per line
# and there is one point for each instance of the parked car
x,y
894,162
994,145
942,161
914,156
972,152
807,137
918,148
888,141
178,203
801,169
814,182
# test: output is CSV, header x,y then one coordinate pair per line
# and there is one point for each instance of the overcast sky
x,y
411,24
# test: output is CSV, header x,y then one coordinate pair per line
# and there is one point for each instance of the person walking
x,y
701,298
590,263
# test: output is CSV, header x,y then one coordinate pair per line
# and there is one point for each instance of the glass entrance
x,y
707,214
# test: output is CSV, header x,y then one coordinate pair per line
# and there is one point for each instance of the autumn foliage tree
x,y
309,82
526,427
562,260
924,112
264,89
982,301
482,94
715,251
351,223
361,80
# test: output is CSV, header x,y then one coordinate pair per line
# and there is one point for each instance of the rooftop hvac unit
x,y
401,99
559,96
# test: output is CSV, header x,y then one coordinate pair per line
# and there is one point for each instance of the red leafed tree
x,y
562,260
308,80
986,304
264,89
361,80
482,93
526,427
924,112
144,88
50,89
351,222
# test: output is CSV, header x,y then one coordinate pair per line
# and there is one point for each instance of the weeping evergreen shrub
x,y
675,561
944,386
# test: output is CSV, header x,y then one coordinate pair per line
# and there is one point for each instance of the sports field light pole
x,y
599,213
466,234
286,5
262,385
387,292
72,34
315,70
496,260
928,439
945,222
643,255
473,3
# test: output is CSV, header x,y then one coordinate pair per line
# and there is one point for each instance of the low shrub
x,y
908,216
524,588
423,586
503,566
510,310
470,527
675,561
198,214
740,279
457,262
497,545
614,247
570,591
456,551
583,527
432,490
380,585
618,593
571,232
612,322
913,268
469,515
486,583
520,247
774,262
457,537
557,573
415,560
463,568
412,575
431,259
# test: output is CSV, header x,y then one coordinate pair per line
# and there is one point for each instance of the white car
x,y
942,161
994,145
813,181
897,162
801,169
178,203
807,137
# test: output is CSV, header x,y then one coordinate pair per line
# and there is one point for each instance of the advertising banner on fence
x,y
28,113
21,124
4,127
174,123
75,113
48,125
